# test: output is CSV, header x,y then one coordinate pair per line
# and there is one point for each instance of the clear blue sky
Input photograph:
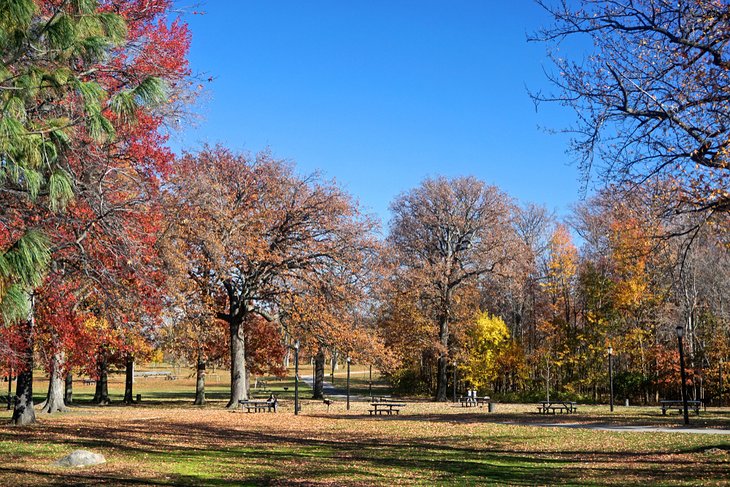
x,y
381,94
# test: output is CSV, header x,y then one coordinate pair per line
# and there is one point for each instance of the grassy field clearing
x,y
165,441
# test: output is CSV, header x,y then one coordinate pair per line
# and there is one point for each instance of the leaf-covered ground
x,y
429,444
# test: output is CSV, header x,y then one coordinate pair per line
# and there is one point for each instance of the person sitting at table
x,y
272,400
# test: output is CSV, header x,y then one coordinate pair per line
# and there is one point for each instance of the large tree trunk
x,y
442,376
68,394
129,379
54,400
238,365
24,413
101,394
318,381
200,381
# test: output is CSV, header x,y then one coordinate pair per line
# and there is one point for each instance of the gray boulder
x,y
80,458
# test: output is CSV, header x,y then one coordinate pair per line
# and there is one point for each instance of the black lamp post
x,y
348,383
719,392
370,383
454,381
610,375
296,377
680,334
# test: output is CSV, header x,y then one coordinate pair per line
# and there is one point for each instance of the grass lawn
x,y
165,441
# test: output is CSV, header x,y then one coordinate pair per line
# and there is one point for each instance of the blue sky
x,y
382,94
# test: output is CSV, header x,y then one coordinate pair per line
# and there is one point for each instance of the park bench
x,y
259,406
385,407
677,405
547,407
88,382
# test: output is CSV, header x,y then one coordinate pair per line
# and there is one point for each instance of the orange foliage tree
x,y
446,235
251,233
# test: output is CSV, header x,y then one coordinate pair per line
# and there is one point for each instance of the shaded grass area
x,y
165,440
430,444
361,383
157,391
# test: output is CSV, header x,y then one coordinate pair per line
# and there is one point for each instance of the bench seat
x,y
383,411
556,409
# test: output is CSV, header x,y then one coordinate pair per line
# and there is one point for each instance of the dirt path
x,y
628,429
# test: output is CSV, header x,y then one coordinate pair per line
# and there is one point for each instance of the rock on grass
x,y
80,458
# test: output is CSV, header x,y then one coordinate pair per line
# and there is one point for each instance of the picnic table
x,y
469,401
679,406
568,407
385,407
258,406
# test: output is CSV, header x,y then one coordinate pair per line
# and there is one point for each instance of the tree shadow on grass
x,y
237,454
527,418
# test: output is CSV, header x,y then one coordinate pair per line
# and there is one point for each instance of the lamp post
x,y
719,392
370,383
610,375
296,377
680,334
348,383
454,380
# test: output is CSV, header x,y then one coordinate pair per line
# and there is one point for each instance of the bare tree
x,y
652,98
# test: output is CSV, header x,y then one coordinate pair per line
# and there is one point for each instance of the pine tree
x,y
52,98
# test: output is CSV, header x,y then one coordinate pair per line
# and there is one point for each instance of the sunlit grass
x,y
166,440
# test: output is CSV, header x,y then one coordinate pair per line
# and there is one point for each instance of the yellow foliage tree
x,y
486,340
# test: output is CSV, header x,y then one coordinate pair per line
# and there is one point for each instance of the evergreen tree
x,y
52,99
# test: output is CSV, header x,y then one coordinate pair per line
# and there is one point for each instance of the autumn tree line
x,y
113,250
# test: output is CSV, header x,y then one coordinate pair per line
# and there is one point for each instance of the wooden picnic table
x,y
382,407
568,407
258,406
469,401
679,405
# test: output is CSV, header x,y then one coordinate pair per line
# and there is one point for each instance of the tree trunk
x,y
335,366
101,394
68,394
238,365
24,414
441,377
287,353
10,388
129,380
318,384
54,399
200,381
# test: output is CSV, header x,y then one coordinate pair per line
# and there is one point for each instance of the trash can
x,y
139,398
490,407
627,403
